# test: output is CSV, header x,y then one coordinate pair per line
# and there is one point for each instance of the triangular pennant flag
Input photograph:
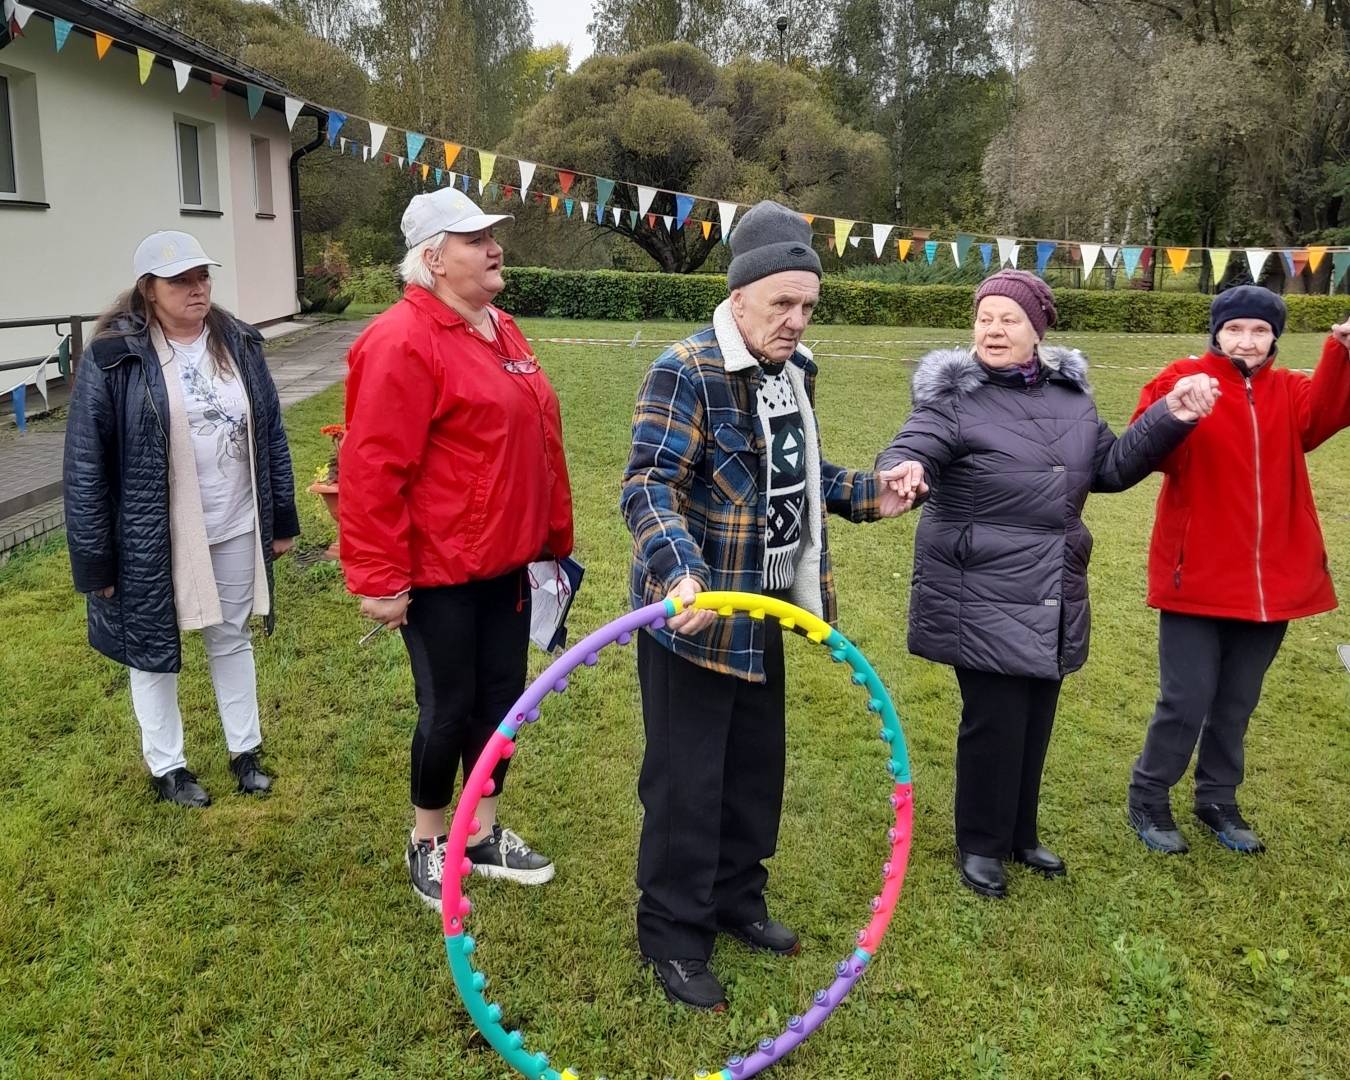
x,y
585,211
1089,252
1130,257
879,235
464,181
632,219
377,134
20,13
726,214
645,197
618,214
40,382
920,236
1044,249
567,205
830,244
342,145
19,398
553,204
841,230
986,253
962,249
425,169
486,163
810,219
707,229
102,43
565,180
291,105
217,85
903,246
683,205
603,190
181,72
1007,251
526,177
145,59
1340,263
1109,256
451,152
438,177
669,221
1299,260
1315,257
416,142
1256,261
1288,257
854,241
400,165
956,252
255,100
930,250
651,222
508,191
1177,257
63,30
1218,263
335,122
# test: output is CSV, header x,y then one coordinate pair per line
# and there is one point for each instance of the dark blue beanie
x,y
1246,302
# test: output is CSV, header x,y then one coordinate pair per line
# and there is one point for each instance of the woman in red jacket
x,y
1236,553
453,481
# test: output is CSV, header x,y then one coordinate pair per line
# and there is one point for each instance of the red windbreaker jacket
x,y
1236,534
452,468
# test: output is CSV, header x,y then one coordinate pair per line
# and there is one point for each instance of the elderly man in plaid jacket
x,y
726,489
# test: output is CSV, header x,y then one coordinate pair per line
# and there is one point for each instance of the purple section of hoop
x,y
576,656
785,1043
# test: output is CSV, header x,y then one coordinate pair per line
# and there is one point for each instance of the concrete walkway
x,y
302,365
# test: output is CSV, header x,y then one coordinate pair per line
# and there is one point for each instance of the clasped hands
x,y
902,485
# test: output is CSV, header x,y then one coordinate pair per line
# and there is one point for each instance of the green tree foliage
x,y
669,118
724,29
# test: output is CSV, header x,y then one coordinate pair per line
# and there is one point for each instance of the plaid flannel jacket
x,y
696,504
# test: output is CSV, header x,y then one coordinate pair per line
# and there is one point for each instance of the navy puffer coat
x,y
116,480
1001,552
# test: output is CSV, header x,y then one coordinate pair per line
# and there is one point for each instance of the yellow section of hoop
x,y
757,607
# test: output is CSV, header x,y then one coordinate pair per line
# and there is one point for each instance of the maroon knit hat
x,y
1027,291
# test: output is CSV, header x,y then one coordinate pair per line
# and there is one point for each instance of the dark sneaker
x,y
1158,829
1225,821
766,936
252,780
426,865
180,787
506,855
689,982
1041,860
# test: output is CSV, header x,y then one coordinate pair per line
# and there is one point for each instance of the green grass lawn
x,y
279,937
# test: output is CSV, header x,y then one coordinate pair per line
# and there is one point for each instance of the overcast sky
x,y
565,21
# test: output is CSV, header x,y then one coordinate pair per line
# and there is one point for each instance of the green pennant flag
x,y
963,242
255,98
1340,263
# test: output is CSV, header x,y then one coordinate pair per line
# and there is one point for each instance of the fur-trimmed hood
x,y
946,373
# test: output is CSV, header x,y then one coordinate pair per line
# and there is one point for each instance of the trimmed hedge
x,y
629,297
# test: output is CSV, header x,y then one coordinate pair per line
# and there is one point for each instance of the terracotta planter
x,y
329,494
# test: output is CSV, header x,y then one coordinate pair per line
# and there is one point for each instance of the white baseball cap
x,y
445,210
166,254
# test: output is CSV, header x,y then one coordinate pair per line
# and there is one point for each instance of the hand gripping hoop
x,y
459,946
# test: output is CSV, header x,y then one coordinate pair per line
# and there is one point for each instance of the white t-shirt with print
x,y
217,414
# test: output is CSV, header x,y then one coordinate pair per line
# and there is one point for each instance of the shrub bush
x,y
373,285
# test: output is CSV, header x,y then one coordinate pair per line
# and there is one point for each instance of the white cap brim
x,y
180,266
479,222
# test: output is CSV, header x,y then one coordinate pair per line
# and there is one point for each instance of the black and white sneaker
x,y
426,865
506,855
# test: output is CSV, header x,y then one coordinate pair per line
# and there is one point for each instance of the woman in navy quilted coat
x,y
178,493
1006,443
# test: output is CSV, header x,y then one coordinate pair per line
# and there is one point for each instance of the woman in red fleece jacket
x,y
1236,553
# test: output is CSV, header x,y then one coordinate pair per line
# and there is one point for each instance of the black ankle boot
x,y
1041,860
982,874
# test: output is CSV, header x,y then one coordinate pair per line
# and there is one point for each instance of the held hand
x,y
280,547
689,622
1341,332
903,484
1193,398
392,612
106,593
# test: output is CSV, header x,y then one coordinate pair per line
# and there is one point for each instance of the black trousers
x,y
712,791
1210,675
1000,753
468,648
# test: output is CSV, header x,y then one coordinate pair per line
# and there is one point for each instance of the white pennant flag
x,y
956,252
1256,259
526,178
645,197
293,107
377,133
669,219
853,240
1007,251
450,181
879,234
585,211
726,213
1109,256
21,14
617,214
366,152
1089,253
181,72
343,148
400,163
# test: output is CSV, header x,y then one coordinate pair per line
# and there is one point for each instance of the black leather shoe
x,y
180,787
1158,830
252,780
689,982
1225,821
1041,860
982,874
766,936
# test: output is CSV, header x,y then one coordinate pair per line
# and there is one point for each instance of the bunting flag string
x,y
63,30
903,246
145,60
1218,263
181,73
1177,257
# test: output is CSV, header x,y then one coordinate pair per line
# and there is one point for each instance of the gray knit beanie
x,y
769,239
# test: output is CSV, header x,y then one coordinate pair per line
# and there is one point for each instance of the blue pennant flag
x,y
986,253
568,204
1044,249
20,395
930,250
683,205
63,30
438,176
464,181
1130,257
415,143
335,122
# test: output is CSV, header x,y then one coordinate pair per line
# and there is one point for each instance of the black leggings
x,y
468,648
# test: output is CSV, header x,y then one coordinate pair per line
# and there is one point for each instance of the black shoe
x,y
180,787
252,780
689,982
983,875
426,866
506,855
1041,860
766,936
1225,821
1157,829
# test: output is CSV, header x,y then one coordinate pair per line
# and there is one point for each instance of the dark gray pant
x,y
1210,675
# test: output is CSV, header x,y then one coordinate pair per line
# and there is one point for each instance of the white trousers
x,y
229,652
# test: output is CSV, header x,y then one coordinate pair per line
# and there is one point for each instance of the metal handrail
x,y
18,324
75,342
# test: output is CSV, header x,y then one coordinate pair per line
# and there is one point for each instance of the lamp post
x,y
782,40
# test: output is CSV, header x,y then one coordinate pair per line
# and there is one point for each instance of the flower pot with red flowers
x,y
326,484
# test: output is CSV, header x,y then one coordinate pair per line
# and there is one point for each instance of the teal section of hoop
x,y
511,1045
879,701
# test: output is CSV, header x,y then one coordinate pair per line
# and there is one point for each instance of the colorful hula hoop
x,y
459,946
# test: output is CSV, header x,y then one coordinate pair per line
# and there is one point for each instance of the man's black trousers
x,y
712,792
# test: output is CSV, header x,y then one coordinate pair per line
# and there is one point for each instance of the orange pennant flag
x,y
829,241
1315,256
553,204
904,246
651,221
565,180
809,218
1300,258
451,152
102,43
425,169
1177,257
707,229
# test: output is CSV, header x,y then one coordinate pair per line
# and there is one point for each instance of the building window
x,y
198,183
189,166
262,177
21,182
9,183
